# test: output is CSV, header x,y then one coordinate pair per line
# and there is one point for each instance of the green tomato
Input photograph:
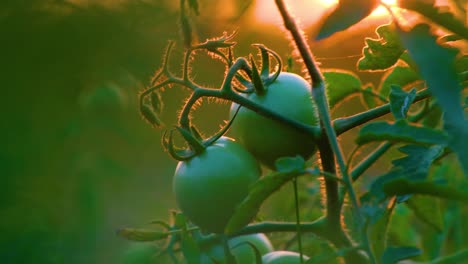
x,y
283,257
242,251
209,186
267,139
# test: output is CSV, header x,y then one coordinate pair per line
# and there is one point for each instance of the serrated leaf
x,y
400,101
368,97
402,186
340,85
428,210
381,53
137,234
444,19
438,70
400,131
258,193
290,164
399,75
346,14
394,254
418,159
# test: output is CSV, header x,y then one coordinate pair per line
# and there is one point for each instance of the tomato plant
x,y
210,185
282,120
283,257
241,249
268,139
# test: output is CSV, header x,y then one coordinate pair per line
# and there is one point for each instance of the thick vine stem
x,y
318,91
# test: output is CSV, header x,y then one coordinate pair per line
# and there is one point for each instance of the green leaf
x,y
137,234
290,164
377,231
428,210
402,186
399,75
340,85
346,14
439,72
394,254
418,159
381,53
444,19
400,131
457,257
400,101
258,193
367,95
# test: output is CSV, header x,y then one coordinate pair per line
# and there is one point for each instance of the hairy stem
x,y
344,124
331,148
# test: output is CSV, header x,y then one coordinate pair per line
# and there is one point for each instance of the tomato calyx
x,y
260,79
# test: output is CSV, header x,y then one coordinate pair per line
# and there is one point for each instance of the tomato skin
x,y
267,139
243,253
209,186
282,257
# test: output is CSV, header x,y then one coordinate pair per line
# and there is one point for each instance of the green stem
x,y
359,169
298,220
318,91
344,124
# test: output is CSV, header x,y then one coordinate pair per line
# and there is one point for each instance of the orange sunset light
x,y
308,11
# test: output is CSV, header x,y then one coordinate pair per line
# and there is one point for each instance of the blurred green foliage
x,y
77,161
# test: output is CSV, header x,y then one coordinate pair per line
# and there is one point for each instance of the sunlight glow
x,y
306,10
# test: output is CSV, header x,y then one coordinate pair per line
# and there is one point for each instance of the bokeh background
x,y
77,161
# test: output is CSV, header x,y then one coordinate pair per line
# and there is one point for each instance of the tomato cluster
x,y
211,184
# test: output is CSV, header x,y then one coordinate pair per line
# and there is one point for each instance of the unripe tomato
x,y
209,186
242,251
267,139
282,257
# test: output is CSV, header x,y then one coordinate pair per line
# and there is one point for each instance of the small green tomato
x,y
283,257
209,186
267,139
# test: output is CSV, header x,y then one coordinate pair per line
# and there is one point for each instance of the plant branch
x,y
344,124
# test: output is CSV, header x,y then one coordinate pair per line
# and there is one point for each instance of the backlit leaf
x,y
340,85
138,234
435,14
400,75
368,97
258,193
439,72
400,131
381,53
346,14
400,101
